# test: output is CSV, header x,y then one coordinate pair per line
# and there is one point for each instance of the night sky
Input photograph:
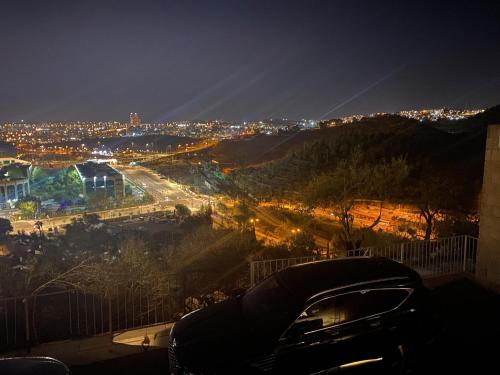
x,y
243,60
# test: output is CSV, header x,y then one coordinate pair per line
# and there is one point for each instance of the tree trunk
x,y
429,221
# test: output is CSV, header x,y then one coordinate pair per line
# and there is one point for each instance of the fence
x,y
68,314
430,258
260,269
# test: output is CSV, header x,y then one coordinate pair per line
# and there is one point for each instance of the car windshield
x,y
269,301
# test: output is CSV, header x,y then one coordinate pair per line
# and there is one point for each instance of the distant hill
x,y
286,161
263,148
471,124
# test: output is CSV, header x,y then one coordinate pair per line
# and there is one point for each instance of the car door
x,y
339,333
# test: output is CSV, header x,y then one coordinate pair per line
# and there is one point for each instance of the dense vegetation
x,y
62,185
443,164
93,257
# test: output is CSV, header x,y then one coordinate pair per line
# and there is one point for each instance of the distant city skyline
x,y
134,118
244,60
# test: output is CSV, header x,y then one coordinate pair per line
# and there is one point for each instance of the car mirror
x,y
237,292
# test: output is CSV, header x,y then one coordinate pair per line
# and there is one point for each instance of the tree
x,y
355,179
5,228
434,195
91,219
38,174
222,255
72,184
242,214
182,210
98,199
29,208
302,244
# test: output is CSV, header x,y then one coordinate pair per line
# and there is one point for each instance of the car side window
x,y
349,307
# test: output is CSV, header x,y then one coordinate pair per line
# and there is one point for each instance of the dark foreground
x,y
468,345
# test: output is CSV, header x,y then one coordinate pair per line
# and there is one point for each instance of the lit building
x,y
14,181
134,119
97,176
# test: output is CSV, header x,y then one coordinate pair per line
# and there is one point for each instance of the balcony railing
x,y
443,256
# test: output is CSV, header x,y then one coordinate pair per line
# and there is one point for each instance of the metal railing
x,y
68,314
443,256
260,269
61,315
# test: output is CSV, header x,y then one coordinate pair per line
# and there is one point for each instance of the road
x,y
59,221
163,190
179,151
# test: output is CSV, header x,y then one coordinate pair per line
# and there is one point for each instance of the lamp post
x,y
253,222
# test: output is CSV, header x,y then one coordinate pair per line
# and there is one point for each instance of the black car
x,y
32,366
323,317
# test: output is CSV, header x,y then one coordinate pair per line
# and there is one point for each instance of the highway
x,y
164,191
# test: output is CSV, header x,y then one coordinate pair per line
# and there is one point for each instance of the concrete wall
x,y
488,259
101,348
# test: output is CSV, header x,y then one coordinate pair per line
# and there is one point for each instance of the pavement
x,y
468,344
150,362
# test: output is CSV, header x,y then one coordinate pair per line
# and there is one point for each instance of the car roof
x,y
308,279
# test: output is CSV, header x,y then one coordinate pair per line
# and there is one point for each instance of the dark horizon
x,y
98,61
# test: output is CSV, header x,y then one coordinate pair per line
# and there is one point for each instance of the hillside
x,y
289,161
473,124
263,148
440,141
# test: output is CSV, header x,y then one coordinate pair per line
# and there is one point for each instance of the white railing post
x,y
465,254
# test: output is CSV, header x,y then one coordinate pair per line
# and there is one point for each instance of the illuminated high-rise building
x,y
134,119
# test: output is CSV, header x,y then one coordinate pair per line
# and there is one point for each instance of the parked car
x,y
32,366
323,317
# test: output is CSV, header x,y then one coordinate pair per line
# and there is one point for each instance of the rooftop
x,y
14,171
90,170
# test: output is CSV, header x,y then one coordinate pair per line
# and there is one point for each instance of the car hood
x,y
217,333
